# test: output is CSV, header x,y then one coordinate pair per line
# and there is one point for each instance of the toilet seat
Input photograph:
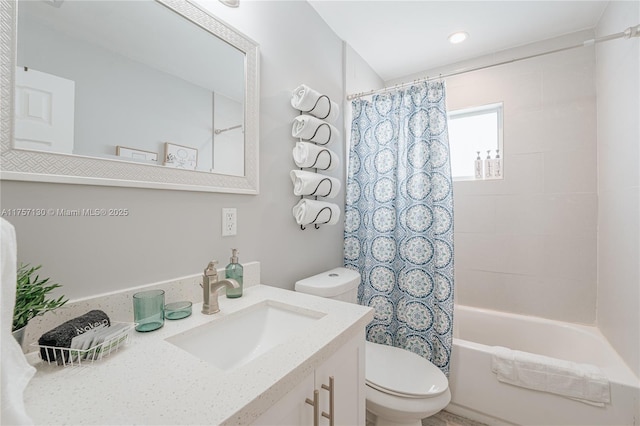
x,y
399,372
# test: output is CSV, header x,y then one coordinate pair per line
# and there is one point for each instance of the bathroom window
x,y
473,130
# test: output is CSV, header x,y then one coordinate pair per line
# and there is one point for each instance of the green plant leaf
x,y
32,296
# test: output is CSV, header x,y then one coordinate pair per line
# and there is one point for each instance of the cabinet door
x,y
347,368
291,410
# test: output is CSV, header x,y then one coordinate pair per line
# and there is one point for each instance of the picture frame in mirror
x,y
136,154
180,157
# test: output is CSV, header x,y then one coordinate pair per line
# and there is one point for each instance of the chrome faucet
x,y
210,287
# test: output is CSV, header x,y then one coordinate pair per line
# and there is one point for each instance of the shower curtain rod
x,y
218,131
628,33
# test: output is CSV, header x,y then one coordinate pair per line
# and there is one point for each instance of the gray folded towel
x,y
62,335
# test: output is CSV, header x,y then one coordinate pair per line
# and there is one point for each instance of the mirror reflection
x,y
128,80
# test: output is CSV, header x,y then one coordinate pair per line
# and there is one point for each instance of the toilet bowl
x,y
402,388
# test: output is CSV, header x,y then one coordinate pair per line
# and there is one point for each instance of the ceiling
x,y
399,38
147,33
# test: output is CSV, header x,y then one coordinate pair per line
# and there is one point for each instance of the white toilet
x,y
402,387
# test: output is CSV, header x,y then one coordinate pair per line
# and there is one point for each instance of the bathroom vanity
x,y
158,378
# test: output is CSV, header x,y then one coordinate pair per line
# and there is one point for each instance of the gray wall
x,y
618,88
119,101
174,233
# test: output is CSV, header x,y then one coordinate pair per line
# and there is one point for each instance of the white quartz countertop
x,y
152,382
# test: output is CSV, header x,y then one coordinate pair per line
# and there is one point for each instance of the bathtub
x,y
478,395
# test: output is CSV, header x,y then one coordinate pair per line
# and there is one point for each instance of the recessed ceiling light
x,y
458,37
231,3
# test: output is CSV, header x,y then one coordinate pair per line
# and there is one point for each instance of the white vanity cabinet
x,y
347,368
270,389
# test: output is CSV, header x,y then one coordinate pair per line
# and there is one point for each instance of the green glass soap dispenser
x,y
234,271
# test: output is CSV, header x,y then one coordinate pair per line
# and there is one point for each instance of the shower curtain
x,y
399,219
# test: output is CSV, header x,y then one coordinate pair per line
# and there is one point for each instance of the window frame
x,y
497,107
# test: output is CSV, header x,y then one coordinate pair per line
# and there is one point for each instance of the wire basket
x,y
55,355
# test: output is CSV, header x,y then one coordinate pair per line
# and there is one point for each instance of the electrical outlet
x,y
229,222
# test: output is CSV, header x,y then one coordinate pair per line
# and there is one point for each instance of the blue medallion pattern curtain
x,y
399,219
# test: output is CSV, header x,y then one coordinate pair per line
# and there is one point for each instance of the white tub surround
x,y
478,394
151,381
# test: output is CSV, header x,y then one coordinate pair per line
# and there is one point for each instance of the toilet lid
x,y
401,372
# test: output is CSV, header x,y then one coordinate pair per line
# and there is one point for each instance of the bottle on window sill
x,y
478,167
488,166
497,165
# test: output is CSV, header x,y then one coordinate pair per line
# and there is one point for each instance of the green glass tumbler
x,y
148,310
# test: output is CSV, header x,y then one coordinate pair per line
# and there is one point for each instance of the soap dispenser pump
x,y
234,270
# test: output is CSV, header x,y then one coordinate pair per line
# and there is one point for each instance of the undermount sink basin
x,y
234,340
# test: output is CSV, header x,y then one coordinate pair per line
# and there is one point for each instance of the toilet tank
x,y
339,284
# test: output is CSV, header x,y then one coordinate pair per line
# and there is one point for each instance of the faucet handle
x,y
211,269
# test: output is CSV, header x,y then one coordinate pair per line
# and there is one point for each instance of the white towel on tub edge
x,y
581,382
